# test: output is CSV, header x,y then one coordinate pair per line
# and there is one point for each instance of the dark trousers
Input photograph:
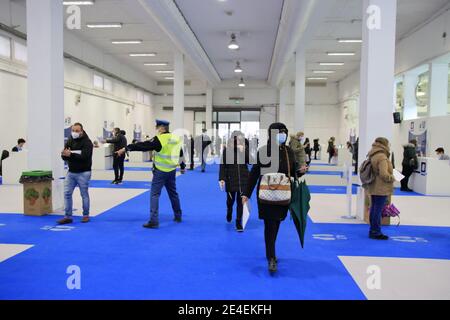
x,y
191,154
231,197
315,154
376,209
118,165
407,172
271,228
163,179
330,155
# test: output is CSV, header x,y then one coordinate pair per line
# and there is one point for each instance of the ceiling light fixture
x,y
169,78
340,53
78,3
233,43
150,54
331,63
126,41
317,78
238,68
324,71
349,40
104,25
241,83
156,64
165,71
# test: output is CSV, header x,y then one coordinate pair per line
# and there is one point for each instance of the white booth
x,y
138,156
13,166
432,178
102,157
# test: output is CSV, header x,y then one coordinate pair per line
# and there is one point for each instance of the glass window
x,y
250,116
199,116
422,94
107,84
139,96
214,117
20,52
5,47
229,117
147,99
98,81
399,101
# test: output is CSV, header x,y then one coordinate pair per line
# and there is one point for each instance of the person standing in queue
x,y
233,174
119,141
191,153
283,161
410,163
168,155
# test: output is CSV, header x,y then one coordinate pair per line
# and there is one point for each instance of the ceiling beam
x,y
169,18
299,22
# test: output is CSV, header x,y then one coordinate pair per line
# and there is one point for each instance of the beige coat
x,y
384,181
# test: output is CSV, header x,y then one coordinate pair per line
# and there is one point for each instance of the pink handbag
x,y
391,211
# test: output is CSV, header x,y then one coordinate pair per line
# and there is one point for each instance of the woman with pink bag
x,y
382,187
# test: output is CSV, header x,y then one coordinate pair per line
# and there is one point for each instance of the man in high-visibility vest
x,y
168,155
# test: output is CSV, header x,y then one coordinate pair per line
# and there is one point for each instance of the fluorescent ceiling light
x,y
331,63
104,25
169,78
142,54
78,3
233,45
349,40
241,83
341,53
126,41
324,71
156,64
317,78
165,71
238,68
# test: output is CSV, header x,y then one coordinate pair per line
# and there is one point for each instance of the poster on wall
x,y
418,131
67,128
108,127
137,134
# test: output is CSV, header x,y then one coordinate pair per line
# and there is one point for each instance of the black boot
x,y
151,225
229,214
239,227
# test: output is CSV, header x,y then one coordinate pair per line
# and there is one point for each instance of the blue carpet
x,y
326,173
202,258
124,185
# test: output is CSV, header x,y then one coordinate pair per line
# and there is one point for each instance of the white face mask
x,y
75,135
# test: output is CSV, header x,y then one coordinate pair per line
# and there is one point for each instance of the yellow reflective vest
x,y
168,158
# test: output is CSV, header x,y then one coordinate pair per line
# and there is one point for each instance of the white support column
x,y
438,89
209,108
409,96
377,72
284,95
46,90
299,110
178,92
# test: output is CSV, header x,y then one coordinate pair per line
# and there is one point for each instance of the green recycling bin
x,y
37,192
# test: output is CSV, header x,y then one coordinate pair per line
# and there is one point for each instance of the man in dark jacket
x,y
202,146
78,154
20,143
409,163
119,141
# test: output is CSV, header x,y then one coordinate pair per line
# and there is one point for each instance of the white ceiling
x,y
137,25
257,23
344,21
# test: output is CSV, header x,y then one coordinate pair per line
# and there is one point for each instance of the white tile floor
x,y
382,278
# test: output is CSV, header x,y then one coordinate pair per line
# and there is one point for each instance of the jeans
x,y
271,228
119,168
72,181
376,209
231,198
163,179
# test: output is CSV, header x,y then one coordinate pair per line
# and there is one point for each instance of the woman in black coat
x,y
233,174
284,163
308,151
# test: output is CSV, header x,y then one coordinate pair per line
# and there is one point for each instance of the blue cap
x,y
162,123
